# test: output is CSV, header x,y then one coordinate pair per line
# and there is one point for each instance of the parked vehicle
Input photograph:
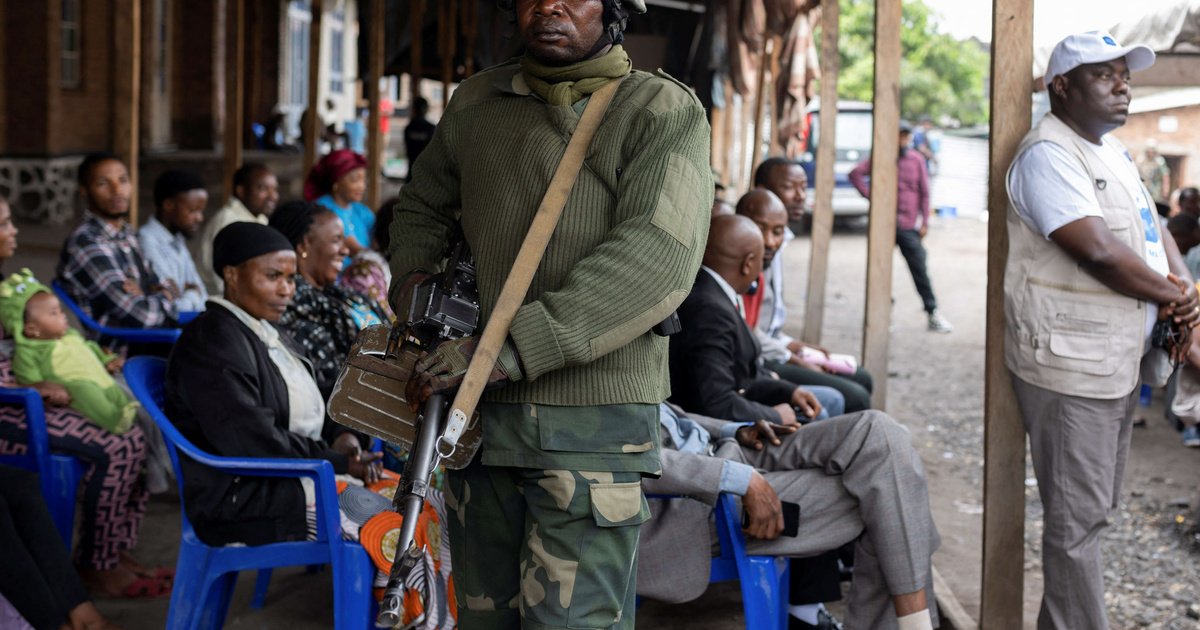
x,y
853,138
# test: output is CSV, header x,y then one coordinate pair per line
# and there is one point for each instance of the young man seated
x,y
855,478
787,181
179,200
101,265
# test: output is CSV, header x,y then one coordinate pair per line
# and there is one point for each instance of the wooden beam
x,y
760,102
1003,435
127,94
374,74
314,122
447,45
881,235
416,23
235,62
822,220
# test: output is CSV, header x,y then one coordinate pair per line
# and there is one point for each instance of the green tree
x,y
939,76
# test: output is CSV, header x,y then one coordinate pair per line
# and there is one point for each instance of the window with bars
x,y
299,19
70,72
337,30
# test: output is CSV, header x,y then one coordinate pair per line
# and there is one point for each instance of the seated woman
x,y
338,182
269,405
114,493
324,317
38,579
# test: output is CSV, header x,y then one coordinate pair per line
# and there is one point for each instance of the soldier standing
x,y
546,518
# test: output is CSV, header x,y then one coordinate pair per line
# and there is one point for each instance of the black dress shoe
x,y
825,621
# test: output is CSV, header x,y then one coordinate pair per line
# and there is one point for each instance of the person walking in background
x,y
926,144
417,133
1089,272
912,219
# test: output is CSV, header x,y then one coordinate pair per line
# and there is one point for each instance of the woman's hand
x,y
53,393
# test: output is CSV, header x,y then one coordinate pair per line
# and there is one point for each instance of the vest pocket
x,y
1079,339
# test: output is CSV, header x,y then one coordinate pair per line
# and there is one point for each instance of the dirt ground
x,y
935,388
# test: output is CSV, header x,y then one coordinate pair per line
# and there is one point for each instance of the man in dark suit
x,y
714,359
715,372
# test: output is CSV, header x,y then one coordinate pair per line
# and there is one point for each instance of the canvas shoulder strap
x,y
512,295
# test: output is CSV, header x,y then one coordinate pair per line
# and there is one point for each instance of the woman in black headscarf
x,y
324,316
237,387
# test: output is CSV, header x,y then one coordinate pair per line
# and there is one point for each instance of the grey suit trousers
x,y
856,478
1079,447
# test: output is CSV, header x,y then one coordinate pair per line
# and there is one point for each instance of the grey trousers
x,y
856,478
1079,447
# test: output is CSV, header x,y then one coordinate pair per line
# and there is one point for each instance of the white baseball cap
x,y
1094,47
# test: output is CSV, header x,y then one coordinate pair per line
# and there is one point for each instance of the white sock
x,y
919,620
806,613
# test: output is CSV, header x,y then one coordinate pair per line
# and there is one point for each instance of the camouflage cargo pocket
x,y
618,504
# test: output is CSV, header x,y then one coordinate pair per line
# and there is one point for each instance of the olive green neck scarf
x,y
564,85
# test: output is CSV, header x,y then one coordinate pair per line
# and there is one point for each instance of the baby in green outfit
x,y
49,350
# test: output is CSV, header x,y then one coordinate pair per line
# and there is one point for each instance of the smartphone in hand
x,y
791,519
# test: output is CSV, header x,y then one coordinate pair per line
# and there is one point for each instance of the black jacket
x,y
714,360
225,394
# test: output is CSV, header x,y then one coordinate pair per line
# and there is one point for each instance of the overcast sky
x,y
1053,19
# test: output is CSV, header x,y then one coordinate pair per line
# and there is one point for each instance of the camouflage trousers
x,y
544,549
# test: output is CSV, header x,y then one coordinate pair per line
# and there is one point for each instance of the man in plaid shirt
x,y
101,265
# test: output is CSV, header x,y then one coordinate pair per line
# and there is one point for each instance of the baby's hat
x,y
15,291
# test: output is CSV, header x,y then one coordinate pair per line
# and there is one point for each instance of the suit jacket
x,y
676,546
224,393
714,360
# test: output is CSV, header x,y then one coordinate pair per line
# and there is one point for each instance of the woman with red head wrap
x,y
339,182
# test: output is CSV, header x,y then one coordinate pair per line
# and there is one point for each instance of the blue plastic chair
x,y
205,576
764,579
133,335
58,474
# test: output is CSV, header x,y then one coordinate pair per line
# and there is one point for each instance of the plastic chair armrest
x,y
35,423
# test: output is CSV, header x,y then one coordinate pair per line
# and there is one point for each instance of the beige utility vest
x,y
1066,331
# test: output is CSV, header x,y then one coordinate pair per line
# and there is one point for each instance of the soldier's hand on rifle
x,y
443,369
401,294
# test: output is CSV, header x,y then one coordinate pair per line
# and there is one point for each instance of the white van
x,y
854,128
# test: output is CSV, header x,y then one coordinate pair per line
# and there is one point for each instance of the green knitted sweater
x,y
624,254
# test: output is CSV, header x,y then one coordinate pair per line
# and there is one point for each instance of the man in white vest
x,y
1089,273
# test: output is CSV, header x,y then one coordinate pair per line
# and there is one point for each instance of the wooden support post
x,y
374,74
717,155
753,150
314,122
447,45
881,236
127,95
822,220
1003,435
416,23
235,57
